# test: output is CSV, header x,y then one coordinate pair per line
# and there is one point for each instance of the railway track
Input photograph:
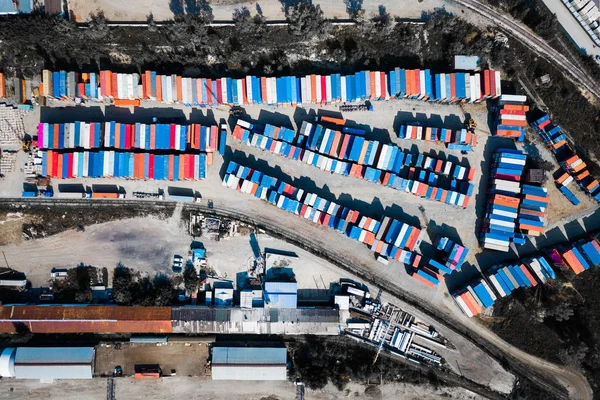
x,y
535,43
559,381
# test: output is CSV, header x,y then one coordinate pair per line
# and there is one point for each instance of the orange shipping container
x,y
127,103
336,121
96,195
373,85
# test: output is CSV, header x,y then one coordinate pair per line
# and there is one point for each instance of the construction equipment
x,y
237,111
470,124
26,144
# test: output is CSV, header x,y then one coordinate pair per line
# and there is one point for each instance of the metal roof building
x,y
249,363
88,319
466,63
48,362
281,294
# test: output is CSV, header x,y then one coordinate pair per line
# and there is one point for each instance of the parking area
x,y
180,358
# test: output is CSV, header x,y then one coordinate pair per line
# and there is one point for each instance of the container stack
x,y
118,164
540,268
463,139
452,254
475,297
507,278
500,226
563,182
575,168
582,255
129,89
114,135
427,276
349,154
534,200
388,238
552,135
511,118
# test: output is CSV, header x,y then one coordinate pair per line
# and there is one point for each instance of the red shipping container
x,y
453,86
69,165
146,85
153,137
172,129
323,89
263,89
244,95
219,92
486,83
151,166
114,85
493,83
210,96
159,93
102,88
171,167
214,138
130,132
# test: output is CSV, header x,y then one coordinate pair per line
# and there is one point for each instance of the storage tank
x,y
7,362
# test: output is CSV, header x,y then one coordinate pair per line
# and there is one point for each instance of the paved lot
x,y
186,360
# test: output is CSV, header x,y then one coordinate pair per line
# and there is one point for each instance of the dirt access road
x,y
194,388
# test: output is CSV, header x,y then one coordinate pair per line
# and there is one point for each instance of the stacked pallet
x,y
462,139
388,238
534,201
500,226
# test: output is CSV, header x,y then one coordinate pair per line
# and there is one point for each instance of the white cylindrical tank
x,y
7,362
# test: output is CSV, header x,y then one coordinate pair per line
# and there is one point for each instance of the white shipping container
x,y
318,87
86,160
309,92
443,86
240,91
249,89
497,285
328,95
463,306
377,85
344,95
422,90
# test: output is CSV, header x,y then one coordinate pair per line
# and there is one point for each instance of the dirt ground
x,y
185,360
193,388
271,9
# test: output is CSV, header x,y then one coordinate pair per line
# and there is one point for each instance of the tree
x,y
79,282
163,291
122,285
191,279
306,20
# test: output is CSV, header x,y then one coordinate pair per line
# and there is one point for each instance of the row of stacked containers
x,y
118,164
348,153
463,139
575,169
501,280
373,85
388,237
115,135
514,210
133,151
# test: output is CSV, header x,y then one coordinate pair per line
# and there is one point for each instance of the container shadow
x,y
59,115
197,116
302,114
274,118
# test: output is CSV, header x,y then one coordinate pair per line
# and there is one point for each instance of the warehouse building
x,y
47,363
249,363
